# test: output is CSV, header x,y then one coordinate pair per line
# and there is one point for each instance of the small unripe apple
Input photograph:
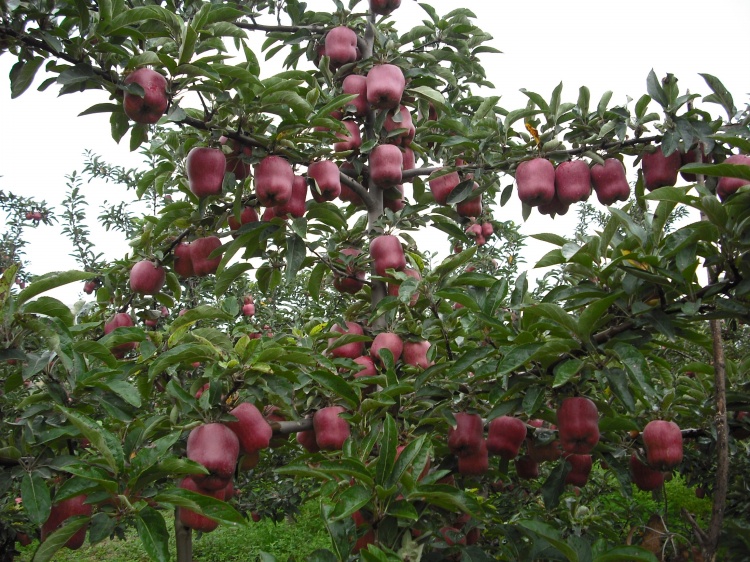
x,y
205,170
326,176
443,186
386,161
200,249
331,430
349,350
341,45
727,186
396,120
274,178
535,179
357,84
663,442
660,170
387,253
217,448
149,108
147,278
609,182
351,140
387,340
572,182
183,263
385,86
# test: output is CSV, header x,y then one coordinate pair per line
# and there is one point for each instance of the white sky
x,y
603,45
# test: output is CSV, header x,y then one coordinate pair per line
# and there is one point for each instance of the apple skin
x,y
387,253
295,207
248,309
467,437
235,164
404,138
149,108
443,186
367,365
727,186
578,425
331,430
505,435
326,175
580,469
307,440
487,229
341,45
475,463
609,181
660,170
554,207
200,249
384,7
393,198
351,140
690,157
357,84
644,477
572,182
470,207
349,350
274,178
60,512
535,180
194,520
389,341
386,162
409,163
183,263
385,86
415,354
526,468
120,320
205,170
251,428
248,215
147,278
663,442
216,447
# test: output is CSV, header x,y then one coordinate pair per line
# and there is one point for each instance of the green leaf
x,y
554,313
227,276
50,307
593,314
50,281
554,485
295,256
721,170
408,455
630,553
36,497
57,540
131,16
152,530
635,364
22,75
206,505
566,371
537,99
720,94
352,499
101,439
429,94
184,353
337,385
618,383
655,90
552,536
517,356
387,455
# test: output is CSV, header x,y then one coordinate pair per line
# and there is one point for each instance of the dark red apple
x,y
194,520
149,108
727,186
325,174
554,207
386,161
572,182
409,163
63,510
387,253
398,120
385,86
341,45
690,157
248,215
307,440
443,186
387,340
120,320
505,436
644,477
295,207
663,442
415,354
216,447
352,280
331,430
235,162
476,462
274,178
200,249
609,182
578,425
183,263
545,452
526,468
535,179
383,7
251,428
205,170
393,198
660,170
580,468
452,536
467,437
357,84
90,286
349,350
147,278
471,206
351,140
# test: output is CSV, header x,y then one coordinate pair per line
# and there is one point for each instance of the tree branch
x,y
280,28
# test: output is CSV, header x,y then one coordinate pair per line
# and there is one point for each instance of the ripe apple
x,y
443,186
149,108
90,286
331,430
663,442
120,320
387,340
341,45
248,309
248,215
386,161
475,463
467,437
274,178
325,174
505,436
351,140
367,367
394,288
690,157
452,536
644,477
409,163
357,84
205,170
235,163
216,447
400,120
349,350
415,354
200,249
353,279
147,278
535,179
578,425
487,229
274,414
387,253
383,7
526,468
609,182
727,186
660,170
251,428
385,86
63,510
539,452
307,440
393,198
554,207
580,469
183,263
194,520
572,182
470,207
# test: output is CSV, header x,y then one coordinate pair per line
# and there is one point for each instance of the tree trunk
x,y
184,539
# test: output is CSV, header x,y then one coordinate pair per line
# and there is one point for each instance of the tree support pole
x,y
184,539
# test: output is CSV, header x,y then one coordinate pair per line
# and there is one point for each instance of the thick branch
x,y
357,188
289,427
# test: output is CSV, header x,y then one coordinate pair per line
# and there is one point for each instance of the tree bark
x,y
184,539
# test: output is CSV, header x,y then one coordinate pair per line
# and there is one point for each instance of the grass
x,y
227,544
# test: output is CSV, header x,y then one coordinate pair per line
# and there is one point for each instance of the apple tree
x,y
278,284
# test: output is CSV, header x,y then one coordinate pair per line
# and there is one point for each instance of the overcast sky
x,y
603,45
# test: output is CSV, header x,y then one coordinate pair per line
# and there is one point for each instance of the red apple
x,y
467,437
248,309
471,206
349,350
475,463
200,249
149,108
216,447
691,156
660,170
609,182
274,178
572,182
394,288
235,162
307,440
415,354
526,468
147,278
63,510
539,452
351,140
399,120
384,7
663,442
727,186
353,279
554,207
357,84
248,215
194,520
487,229
386,161
367,367
385,86
327,180
205,170
120,320
505,436
452,536
387,253
341,45
580,469
331,430
443,186
90,286
387,340
644,477
535,179
409,163
183,263
251,428
578,425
